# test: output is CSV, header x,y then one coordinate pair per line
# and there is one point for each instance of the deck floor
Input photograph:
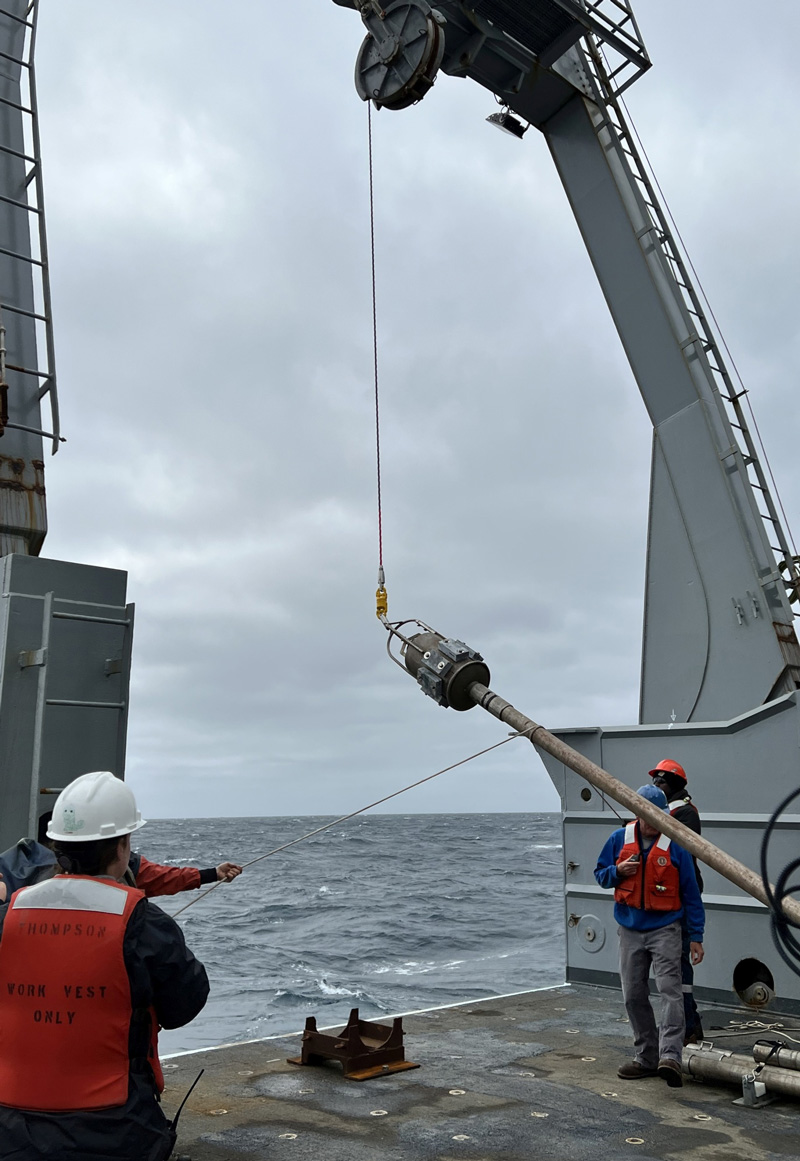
x,y
509,1079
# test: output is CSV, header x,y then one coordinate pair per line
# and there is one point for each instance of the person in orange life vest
x,y
89,970
654,885
670,777
30,861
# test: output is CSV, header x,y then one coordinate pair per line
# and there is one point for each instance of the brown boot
x,y
633,1070
670,1071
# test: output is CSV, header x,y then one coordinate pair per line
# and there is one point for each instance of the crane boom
x,y
718,624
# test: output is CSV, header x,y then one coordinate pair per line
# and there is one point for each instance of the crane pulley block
x,y
400,57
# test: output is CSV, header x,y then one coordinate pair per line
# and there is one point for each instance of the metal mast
x,y
65,629
28,371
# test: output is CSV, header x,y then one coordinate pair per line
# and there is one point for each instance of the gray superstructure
x,y
720,658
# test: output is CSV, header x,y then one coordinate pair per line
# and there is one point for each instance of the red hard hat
x,y
667,766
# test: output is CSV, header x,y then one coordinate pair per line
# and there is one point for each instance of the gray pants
x,y
638,950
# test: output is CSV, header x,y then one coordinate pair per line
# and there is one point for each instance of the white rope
x,y
352,814
739,1027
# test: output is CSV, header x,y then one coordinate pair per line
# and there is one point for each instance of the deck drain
x,y
461,1137
164,1067
572,1031
458,1092
245,1072
527,1074
634,1140
305,1091
559,1009
540,1114
702,1117
588,1058
287,1136
609,1094
379,1113
217,1112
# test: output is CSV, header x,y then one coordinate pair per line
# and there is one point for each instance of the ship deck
x,y
505,1079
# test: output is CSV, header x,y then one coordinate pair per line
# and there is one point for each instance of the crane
x,y
720,657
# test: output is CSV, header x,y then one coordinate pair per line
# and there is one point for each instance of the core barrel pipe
x,y
707,1065
730,868
783,1057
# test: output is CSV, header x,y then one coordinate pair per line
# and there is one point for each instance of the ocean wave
x,y
320,991
407,918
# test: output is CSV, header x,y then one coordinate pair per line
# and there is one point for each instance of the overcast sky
x,y
206,184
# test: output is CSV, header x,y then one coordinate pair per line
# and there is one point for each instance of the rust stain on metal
x,y
786,633
790,648
23,514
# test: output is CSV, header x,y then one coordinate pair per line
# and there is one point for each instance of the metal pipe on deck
x,y
780,1057
710,1064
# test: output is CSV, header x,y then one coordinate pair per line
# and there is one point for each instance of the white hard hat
x,y
94,806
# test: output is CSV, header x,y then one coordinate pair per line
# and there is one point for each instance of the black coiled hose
x,y
786,941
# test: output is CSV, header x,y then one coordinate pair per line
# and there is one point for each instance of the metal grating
x,y
533,23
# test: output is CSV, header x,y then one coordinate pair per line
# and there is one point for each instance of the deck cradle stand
x,y
364,1049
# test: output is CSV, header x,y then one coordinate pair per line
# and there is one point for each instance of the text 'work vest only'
x,y
65,995
656,884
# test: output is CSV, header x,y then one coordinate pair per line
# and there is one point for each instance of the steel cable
x,y
381,600
713,317
352,814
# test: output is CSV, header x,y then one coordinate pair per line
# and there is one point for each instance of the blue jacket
x,y
634,917
25,864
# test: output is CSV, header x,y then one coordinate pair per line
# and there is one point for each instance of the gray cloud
x,y
207,205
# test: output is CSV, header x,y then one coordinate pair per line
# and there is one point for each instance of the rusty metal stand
x,y
364,1049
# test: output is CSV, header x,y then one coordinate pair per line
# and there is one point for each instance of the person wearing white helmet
x,y
97,969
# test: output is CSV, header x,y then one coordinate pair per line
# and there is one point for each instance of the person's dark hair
x,y
92,858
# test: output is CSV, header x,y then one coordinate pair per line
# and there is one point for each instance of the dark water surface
x,y
387,913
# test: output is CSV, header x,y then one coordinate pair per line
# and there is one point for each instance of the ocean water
x,y
387,913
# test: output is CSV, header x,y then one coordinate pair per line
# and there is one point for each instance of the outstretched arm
x,y
156,879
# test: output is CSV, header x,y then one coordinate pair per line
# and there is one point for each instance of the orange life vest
x,y
657,888
65,996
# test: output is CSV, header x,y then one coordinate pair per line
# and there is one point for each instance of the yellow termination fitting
x,y
381,602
